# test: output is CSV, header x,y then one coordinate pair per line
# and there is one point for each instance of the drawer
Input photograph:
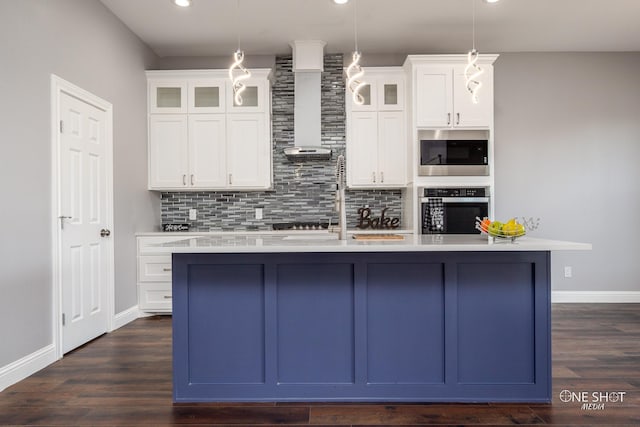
x,y
154,268
154,297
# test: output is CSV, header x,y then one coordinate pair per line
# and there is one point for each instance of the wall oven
x,y
454,152
453,210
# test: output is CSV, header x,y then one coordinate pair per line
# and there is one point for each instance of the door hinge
x,y
61,126
64,319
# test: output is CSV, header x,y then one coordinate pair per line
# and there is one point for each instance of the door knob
x,y
105,232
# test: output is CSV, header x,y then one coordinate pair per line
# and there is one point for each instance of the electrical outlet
x,y
258,213
193,214
568,272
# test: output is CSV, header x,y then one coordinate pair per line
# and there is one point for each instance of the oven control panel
x,y
455,192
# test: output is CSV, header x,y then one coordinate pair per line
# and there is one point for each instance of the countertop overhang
x,y
319,242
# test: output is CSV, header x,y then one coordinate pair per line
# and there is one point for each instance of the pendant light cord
x,y
473,25
355,22
238,21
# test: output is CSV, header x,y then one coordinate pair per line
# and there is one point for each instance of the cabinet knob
x,y
105,232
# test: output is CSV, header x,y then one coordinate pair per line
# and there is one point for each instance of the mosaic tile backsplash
x,y
302,192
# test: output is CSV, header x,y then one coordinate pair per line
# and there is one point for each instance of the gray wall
x,y
82,42
567,135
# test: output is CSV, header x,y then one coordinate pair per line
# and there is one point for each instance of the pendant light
x,y
242,73
354,71
472,71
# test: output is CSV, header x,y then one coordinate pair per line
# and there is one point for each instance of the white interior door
x,y
85,203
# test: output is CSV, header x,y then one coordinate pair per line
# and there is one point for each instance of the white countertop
x,y
325,242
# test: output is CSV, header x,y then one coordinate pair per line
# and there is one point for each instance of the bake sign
x,y
366,220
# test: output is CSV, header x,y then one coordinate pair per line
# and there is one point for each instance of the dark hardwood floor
x,y
124,378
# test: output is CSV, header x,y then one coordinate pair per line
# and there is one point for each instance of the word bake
x,y
365,220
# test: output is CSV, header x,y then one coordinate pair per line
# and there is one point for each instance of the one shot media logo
x,y
592,400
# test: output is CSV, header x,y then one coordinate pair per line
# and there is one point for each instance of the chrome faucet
x,y
341,208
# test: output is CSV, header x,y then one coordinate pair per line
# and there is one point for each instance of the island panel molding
x,y
362,326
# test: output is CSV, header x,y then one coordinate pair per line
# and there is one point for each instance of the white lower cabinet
x,y
155,297
154,273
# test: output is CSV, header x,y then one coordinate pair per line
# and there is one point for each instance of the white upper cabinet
x,y
207,96
168,152
383,91
376,136
207,150
468,114
208,143
247,147
167,96
255,97
442,99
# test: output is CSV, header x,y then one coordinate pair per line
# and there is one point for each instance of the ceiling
x,y
266,27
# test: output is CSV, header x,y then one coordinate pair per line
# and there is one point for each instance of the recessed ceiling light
x,y
340,1
491,1
182,3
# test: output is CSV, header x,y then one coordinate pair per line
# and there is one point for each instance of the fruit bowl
x,y
498,230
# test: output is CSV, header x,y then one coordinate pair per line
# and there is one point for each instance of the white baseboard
x,y
595,297
28,365
124,317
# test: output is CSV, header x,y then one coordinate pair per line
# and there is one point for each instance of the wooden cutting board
x,y
378,237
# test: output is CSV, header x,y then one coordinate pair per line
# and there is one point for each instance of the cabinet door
x,y
167,96
207,96
168,153
468,114
362,149
207,157
368,92
434,97
248,151
392,162
391,93
254,97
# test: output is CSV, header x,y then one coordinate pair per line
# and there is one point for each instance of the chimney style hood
x,y
308,64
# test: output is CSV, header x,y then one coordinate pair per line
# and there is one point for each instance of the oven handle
x,y
458,199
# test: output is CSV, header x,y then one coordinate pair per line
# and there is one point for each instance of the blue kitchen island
x,y
446,319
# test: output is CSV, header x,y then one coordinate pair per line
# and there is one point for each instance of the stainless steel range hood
x,y
308,64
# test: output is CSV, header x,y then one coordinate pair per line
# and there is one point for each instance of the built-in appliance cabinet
x,y
201,139
438,99
442,99
376,141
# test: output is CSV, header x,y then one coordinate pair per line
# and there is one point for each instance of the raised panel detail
x,y
75,120
93,132
95,275
229,345
93,190
74,190
76,276
496,334
315,318
405,323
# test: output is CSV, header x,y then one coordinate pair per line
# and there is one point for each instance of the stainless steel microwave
x,y
454,152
